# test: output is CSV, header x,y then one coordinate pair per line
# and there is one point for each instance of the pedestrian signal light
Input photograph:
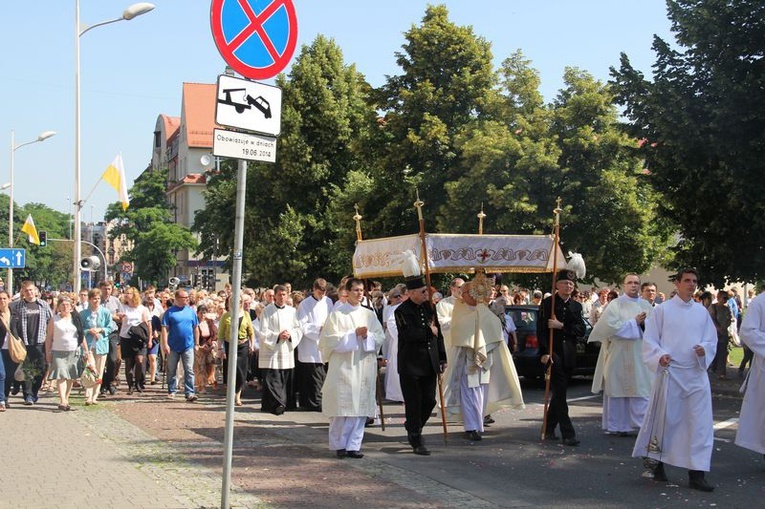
x,y
43,236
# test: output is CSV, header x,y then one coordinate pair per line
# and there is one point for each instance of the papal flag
x,y
115,177
30,230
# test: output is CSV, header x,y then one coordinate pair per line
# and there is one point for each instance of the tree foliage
x,y
702,120
147,222
465,134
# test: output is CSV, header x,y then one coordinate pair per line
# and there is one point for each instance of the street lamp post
x,y
43,136
131,12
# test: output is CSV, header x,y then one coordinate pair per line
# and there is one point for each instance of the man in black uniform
x,y
567,325
421,357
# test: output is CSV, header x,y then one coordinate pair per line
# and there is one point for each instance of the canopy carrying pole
x,y
548,368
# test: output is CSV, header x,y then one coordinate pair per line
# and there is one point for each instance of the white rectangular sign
x,y
248,105
244,146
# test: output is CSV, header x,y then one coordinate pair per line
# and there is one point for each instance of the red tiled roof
x,y
199,111
191,178
171,125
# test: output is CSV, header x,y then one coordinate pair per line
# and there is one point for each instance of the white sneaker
x,y
170,395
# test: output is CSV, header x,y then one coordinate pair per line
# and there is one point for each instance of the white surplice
x,y
678,426
312,314
444,310
349,389
751,422
390,353
276,353
620,371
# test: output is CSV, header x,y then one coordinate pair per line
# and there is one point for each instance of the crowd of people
x,y
343,350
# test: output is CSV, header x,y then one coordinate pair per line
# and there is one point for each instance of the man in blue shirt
x,y
180,335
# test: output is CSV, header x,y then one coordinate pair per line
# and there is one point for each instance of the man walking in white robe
x,y
751,423
312,313
349,342
620,372
280,334
679,344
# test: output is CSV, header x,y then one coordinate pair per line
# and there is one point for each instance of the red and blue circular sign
x,y
255,37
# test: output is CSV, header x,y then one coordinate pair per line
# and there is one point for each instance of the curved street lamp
x,y
128,14
42,137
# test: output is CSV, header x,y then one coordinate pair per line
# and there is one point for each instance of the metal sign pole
x,y
236,284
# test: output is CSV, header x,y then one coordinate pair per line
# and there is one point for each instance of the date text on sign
x,y
238,145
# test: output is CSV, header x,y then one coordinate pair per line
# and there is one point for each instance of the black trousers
x,y
242,362
110,371
35,356
419,401
310,378
557,412
277,387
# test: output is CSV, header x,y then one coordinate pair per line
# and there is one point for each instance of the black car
x,y
526,355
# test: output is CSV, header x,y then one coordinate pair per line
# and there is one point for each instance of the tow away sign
x,y
249,105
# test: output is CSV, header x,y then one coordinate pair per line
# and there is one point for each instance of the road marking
x,y
726,424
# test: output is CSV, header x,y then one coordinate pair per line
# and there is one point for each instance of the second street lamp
x,y
43,136
131,12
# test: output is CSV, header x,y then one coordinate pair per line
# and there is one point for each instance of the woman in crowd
x,y
152,349
204,357
97,322
245,345
132,314
7,366
64,335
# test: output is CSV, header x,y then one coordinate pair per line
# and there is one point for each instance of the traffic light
x,y
43,236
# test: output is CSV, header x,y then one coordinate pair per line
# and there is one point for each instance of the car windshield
x,y
524,319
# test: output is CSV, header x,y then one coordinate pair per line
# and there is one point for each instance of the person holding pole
x,y
421,358
565,323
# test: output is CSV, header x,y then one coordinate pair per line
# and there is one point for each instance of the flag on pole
x,y
30,230
115,177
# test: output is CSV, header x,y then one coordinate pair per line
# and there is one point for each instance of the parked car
x,y
526,356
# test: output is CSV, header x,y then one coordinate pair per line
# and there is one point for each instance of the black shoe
x,y
488,420
112,390
696,481
355,454
278,410
628,434
341,453
421,450
573,442
15,390
551,436
472,435
659,474
370,421
191,398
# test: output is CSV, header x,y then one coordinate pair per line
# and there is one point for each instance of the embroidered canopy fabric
x,y
458,253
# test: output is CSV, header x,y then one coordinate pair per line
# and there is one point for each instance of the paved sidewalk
x,y
92,458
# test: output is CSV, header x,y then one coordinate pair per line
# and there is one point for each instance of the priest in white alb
x,y
751,422
349,342
620,372
679,344
481,376
280,334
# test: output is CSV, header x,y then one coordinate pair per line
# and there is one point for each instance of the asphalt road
x,y
511,467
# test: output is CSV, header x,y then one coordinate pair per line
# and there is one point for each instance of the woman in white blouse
x,y
64,335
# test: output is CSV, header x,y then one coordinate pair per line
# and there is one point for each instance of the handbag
x,y
139,336
16,349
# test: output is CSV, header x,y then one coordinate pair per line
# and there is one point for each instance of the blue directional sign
x,y
11,258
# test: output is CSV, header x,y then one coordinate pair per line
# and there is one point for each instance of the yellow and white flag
x,y
30,230
115,177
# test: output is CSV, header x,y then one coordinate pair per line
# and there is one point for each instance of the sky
x,y
132,71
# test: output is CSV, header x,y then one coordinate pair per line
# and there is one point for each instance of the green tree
x,y
702,120
147,222
445,86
